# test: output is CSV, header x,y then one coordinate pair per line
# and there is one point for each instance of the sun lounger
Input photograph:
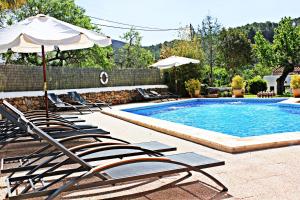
x,y
25,161
166,96
80,100
148,96
56,180
51,124
60,105
58,129
29,162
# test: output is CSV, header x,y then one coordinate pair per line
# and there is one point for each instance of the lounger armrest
x,y
68,104
93,144
45,123
118,147
42,115
84,135
44,119
125,162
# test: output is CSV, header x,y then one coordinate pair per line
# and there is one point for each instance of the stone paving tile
x,y
141,198
202,191
172,193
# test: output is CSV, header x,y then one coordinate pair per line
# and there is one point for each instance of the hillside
x,y
117,44
267,29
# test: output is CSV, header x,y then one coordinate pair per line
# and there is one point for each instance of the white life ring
x,y
103,78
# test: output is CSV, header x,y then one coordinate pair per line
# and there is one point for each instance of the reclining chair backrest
x,y
143,93
76,97
11,116
12,108
55,99
34,130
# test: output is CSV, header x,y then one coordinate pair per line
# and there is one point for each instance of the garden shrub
x,y
192,85
256,85
183,73
295,82
237,82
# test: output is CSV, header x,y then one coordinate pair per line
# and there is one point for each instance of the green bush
x,y
225,94
221,77
256,85
181,74
286,94
191,86
295,82
237,82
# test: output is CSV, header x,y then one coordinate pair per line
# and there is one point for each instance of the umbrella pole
x,y
45,80
176,87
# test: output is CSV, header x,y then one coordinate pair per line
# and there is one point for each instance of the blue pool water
x,y
237,117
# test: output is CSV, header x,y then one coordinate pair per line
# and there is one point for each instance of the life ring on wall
x,y
103,78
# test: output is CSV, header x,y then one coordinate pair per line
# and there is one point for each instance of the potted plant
x,y
193,87
295,85
238,85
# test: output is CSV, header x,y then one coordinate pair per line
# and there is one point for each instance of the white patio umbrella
x,y
174,61
43,33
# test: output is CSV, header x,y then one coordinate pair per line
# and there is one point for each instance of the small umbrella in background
x,y
43,33
174,61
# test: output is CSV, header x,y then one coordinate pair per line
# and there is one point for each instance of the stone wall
x,y
113,97
29,78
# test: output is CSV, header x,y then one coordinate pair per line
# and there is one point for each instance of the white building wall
x,y
271,82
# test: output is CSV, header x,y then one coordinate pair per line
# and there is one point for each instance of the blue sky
x,y
177,13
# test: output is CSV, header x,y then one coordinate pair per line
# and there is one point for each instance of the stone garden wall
x,y
30,78
113,97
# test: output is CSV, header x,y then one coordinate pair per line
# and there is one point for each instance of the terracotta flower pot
x,y
197,93
296,92
238,93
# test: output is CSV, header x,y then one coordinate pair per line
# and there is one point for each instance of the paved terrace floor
x,y
267,174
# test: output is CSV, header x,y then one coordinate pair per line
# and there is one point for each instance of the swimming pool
x,y
226,124
241,118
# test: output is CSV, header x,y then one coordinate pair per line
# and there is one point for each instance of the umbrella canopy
x,y
28,35
42,33
174,61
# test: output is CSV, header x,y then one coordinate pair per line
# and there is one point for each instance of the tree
x,y
6,7
256,70
186,48
132,55
221,76
234,50
69,12
209,31
11,4
283,52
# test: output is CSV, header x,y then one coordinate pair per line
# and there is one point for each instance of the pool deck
x,y
219,141
265,174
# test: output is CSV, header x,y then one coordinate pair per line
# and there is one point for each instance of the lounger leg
x,y
98,106
225,189
66,186
77,110
89,109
